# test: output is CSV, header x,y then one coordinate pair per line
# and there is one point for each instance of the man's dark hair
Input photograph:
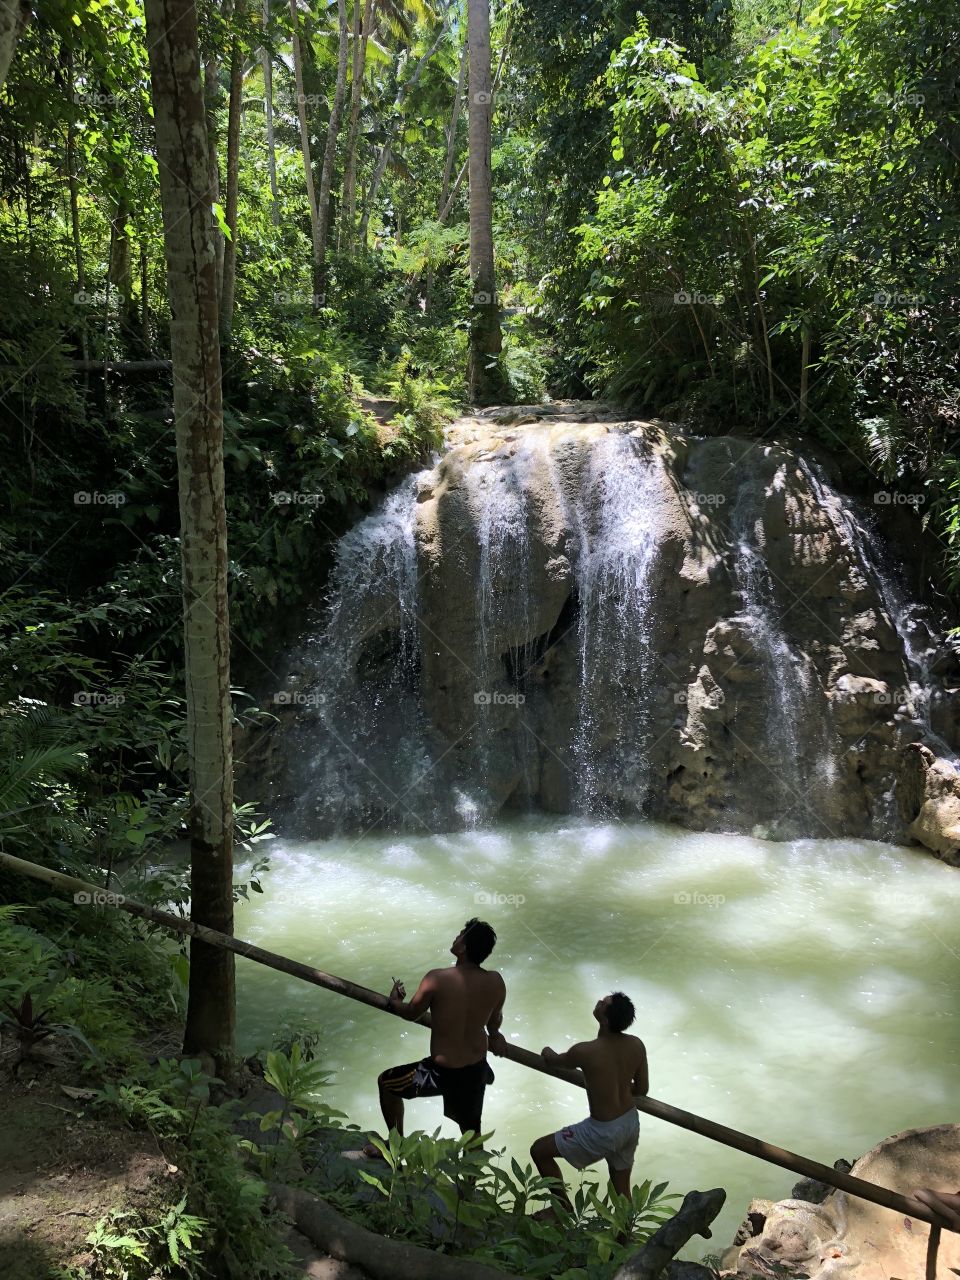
x,y
478,939
620,1012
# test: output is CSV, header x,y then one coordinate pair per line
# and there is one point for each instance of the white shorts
x,y
592,1140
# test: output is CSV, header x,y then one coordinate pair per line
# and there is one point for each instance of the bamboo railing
x,y
744,1142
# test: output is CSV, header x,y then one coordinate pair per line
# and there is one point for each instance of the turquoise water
x,y
804,992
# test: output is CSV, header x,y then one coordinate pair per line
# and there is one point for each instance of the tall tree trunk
x,y
14,17
330,152
228,286
305,148
181,136
447,209
384,157
442,209
211,94
452,130
806,340
360,38
483,364
120,271
74,193
144,297
75,212
267,62
120,268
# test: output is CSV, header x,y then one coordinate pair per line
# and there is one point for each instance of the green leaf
x,y
221,220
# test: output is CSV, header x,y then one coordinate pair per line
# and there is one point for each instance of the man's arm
x,y
572,1058
496,1041
418,1006
641,1077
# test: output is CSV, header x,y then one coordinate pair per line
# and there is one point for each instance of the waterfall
x,y
499,500
617,548
550,618
909,620
790,682
360,750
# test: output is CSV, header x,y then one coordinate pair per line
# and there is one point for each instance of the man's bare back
x,y
465,1004
614,1068
462,1002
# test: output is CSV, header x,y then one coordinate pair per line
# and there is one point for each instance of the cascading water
x,y
550,618
906,617
361,747
911,696
498,496
617,539
370,758
789,679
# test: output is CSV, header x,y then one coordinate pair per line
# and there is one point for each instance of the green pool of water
x,y
804,992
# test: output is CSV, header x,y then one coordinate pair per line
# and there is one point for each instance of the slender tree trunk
x,y
75,214
228,286
14,17
454,123
330,152
349,212
804,369
120,268
483,365
349,159
267,62
445,212
384,157
74,195
305,147
120,273
194,341
762,316
458,94
144,297
106,309
211,93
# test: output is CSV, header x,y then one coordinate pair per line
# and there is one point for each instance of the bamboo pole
x,y
744,1142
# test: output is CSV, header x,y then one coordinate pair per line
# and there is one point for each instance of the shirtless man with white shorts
x,y
614,1067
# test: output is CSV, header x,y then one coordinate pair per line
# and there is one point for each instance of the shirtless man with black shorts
x,y
614,1068
466,1010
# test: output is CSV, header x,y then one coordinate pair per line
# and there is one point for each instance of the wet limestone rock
x,y
579,611
937,825
845,1237
771,685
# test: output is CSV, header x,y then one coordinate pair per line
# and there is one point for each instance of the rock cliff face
x,y
578,613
